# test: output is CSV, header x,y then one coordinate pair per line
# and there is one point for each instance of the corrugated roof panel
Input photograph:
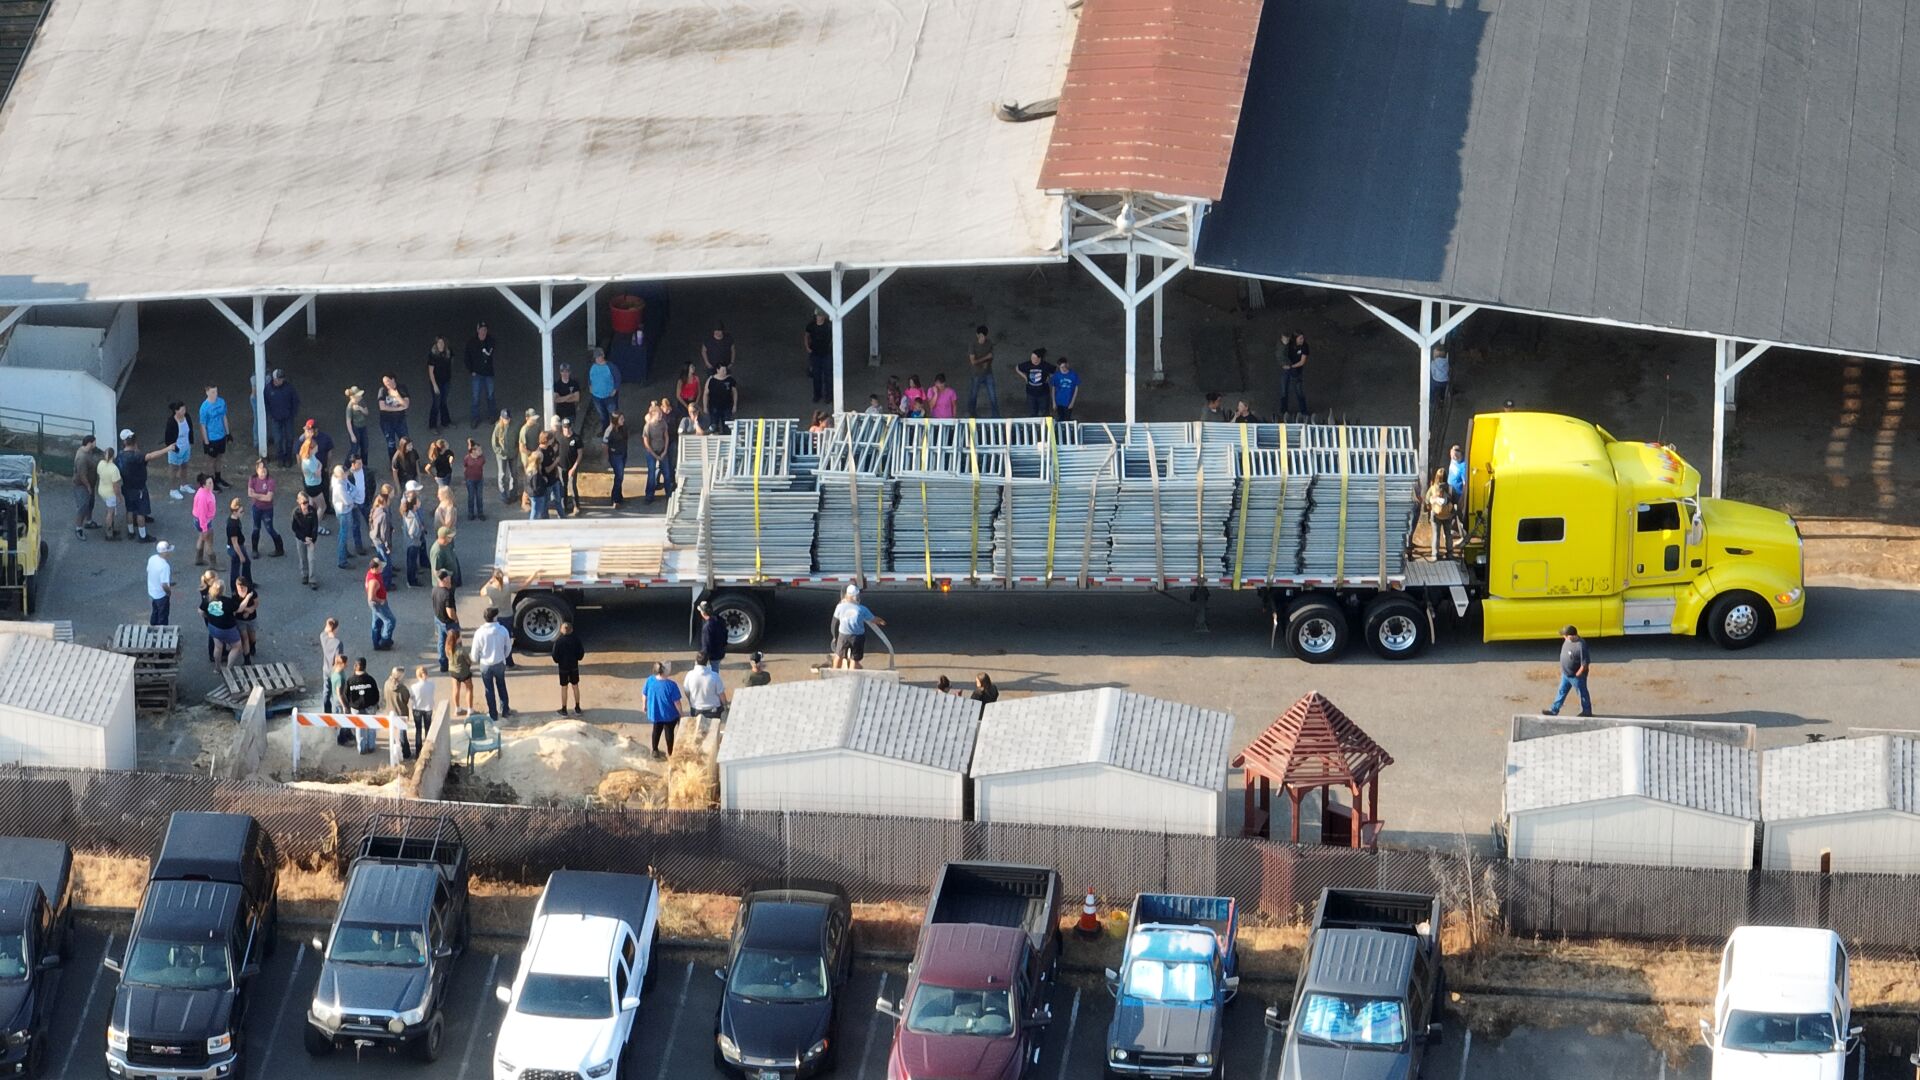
x,y
1166,739
1609,763
1841,776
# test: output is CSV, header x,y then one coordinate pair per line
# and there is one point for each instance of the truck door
x,y
1659,543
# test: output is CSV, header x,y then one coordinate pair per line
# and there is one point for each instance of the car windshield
x,y
1353,1021
574,997
942,1010
380,946
1160,980
777,976
13,957
1779,1033
177,965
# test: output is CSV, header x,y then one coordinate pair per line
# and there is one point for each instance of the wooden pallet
x,y
137,638
540,563
277,680
630,561
156,664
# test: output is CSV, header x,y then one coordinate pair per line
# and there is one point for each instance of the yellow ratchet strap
x,y
926,529
973,466
1053,503
1340,553
1246,485
759,440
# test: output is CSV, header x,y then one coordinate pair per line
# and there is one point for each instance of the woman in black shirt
x,y
246,609
440,462
241,563
406,463
616,438
222,623
306,532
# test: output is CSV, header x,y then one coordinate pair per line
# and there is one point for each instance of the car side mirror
x,y
1706,1032
319,943
444,952
1041,1017
1274,1020
721,974
1232,985
503,994
1113,982
250,971
628,1004
888,1007
1433,1033
110,964
48,963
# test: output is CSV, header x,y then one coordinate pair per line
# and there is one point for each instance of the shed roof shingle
x,y
55,678
1590,766
871,716
1841,776
1166,739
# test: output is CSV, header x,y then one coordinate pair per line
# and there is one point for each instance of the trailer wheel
x,y
1317,631
537,619
1397,628
745,618
1737,620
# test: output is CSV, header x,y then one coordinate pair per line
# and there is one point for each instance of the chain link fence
x,y
886,858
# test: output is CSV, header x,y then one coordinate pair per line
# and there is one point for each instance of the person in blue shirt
x,y
664,705
1066,390
850,621
213,431
1457,477
603,382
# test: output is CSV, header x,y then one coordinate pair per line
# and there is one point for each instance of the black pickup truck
x,y
36,879
205,924
1368,991
401,928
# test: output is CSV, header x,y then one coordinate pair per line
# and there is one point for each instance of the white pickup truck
x,y
1782,1010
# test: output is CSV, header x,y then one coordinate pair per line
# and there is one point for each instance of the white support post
x,y
1728,363
1159,325
593,325
838,313
259,337
546,353
14,316
1426,386
873,322
313,319
1132,302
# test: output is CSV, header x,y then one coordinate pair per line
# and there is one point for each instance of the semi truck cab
x,y
1569,525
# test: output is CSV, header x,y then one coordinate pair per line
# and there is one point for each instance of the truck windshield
x,y
178,965
571,997
380,946
773,976
1779,1033
1160,980
13,957
1353,1021
942,1010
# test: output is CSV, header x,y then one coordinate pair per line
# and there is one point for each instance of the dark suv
x,y
205,924
36,885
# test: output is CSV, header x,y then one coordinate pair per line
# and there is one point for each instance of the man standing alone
x,y
283,401
160,584
492,645
980,363
818,341
480,370
1034,374
1293,372
663,708
1574,662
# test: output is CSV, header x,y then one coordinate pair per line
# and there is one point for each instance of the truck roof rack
x,y
412,837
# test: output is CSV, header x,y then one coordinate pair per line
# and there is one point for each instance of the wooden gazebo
x,y
1313,746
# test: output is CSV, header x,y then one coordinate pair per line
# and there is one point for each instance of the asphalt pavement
x,y
673,1037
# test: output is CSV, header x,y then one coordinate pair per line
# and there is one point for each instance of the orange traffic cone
x,y
1089,919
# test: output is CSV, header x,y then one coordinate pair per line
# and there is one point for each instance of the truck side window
x,y
1658,517
1541,530
620,971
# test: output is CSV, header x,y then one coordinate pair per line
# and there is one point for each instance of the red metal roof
x,y
1152,97
1313,744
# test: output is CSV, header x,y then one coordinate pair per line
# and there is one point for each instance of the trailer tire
x,y
1737,620
537,618
745,617
1317,630
1397,628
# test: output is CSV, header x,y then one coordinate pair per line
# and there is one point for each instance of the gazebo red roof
x,y
1313,744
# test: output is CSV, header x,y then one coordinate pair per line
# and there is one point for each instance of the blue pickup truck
x,y
1177,975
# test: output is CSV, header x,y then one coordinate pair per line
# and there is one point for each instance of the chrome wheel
x,y
1741,621
541,624
1318,636
1398,633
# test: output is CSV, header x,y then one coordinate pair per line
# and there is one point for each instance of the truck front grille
x,y
167,1055
1162,1061
548,1074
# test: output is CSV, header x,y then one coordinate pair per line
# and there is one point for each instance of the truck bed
x,y
997,895
400,838
1216,913
1371,909
46,863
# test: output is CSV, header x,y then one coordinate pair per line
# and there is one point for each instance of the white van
x,y
1782,1009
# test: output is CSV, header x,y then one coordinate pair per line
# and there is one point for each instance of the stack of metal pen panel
x,y
951,474
1170,520
1361,503
857,496
694,456
1265,529
1063,529
763,502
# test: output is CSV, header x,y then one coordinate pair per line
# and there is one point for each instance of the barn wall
x,y
1635,831
31,738
1099,797
841,782
1882,841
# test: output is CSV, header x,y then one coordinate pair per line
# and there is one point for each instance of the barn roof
x,y
55,678
881,717
1841,776
1610,763
1107,726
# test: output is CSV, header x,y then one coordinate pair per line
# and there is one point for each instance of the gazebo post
x,y
1353,819
1246,814
1294,795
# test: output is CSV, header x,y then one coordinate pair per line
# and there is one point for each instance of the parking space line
x,y
466,1056
1266,1057
666,1049
1073,1021
1663,1066
873,1025
1466,1051
86,1008
280,1014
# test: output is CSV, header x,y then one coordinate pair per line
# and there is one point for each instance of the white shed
x,y
848,746
1632,794
65,705
1105,758
1855,800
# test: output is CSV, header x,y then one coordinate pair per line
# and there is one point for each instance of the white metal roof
x,y
574,945
181,147
1590,766
55,678
1105,726
1841,776
1780,968
877,716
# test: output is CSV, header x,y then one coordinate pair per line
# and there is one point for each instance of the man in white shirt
x,y
160,584
492,645
706,694
422,692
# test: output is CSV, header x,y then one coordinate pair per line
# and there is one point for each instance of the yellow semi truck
x,y
1569,525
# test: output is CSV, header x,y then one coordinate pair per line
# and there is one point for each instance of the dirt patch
x,y
563,762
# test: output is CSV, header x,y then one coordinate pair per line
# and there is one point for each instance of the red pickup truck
x,y
974,1005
